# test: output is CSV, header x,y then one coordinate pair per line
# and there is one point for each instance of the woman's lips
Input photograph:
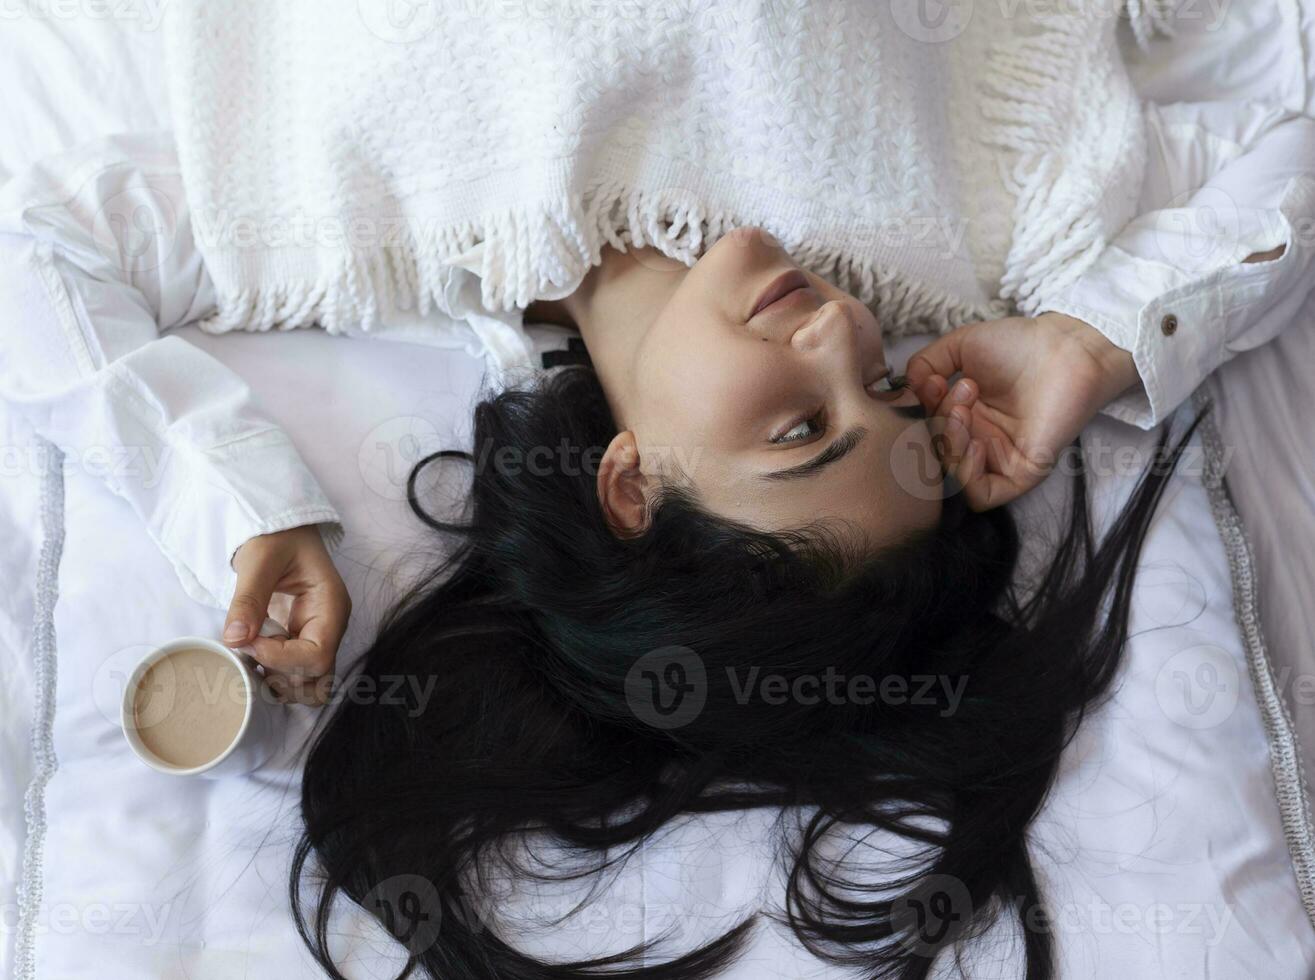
x,y
779,288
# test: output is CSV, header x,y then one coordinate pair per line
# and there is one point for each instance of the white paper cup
x,y
264,720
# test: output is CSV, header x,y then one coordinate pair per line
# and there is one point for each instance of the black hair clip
x,y
575,353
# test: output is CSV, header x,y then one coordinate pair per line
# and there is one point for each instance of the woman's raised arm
x,y
1220,260
1221,257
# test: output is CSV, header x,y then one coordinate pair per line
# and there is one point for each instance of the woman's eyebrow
x,y
838,450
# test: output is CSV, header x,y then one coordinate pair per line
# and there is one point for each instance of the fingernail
x,y
962,391
235,631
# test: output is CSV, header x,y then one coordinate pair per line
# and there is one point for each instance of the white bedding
x,y
1163,848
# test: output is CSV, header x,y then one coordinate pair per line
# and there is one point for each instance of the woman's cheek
x,y
915,470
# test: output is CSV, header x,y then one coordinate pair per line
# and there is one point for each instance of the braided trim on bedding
x,y
1291,790
43,749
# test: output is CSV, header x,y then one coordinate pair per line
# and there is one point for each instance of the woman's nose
x,y
831,328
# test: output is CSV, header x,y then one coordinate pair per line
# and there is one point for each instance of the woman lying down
x,y
732,213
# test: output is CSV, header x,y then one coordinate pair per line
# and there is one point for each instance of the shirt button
x,y
1169,325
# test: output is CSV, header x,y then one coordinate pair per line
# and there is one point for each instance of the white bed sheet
x,y
1166,853
74,71
69,73
1162,847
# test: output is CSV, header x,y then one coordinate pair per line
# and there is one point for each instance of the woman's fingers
x,y
930,391
292,656
294,669
979,454
952,422
319,618
295,561
953,437
994,471
943,356
985,490
963,394
300,668
256,581
971,469
297,689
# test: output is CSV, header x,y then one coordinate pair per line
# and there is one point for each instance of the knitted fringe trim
x,y
1027,102
1149,18
531,253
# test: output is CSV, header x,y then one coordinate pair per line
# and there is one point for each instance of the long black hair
x,y
584,691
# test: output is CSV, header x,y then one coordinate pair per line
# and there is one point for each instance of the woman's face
x,y
767,388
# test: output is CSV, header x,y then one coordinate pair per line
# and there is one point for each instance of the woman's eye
x,y
804,430
891,382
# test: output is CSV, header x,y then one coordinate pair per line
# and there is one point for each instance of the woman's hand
x,y
294,562
1030,384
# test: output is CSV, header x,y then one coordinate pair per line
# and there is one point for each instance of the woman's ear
x,y
621,487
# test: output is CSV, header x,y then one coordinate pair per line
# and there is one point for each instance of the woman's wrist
x,y
1116,367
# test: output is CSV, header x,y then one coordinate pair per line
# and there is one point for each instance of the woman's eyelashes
x,y
890,382
807,428
803,430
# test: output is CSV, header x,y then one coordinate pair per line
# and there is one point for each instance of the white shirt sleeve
x,y
1225,180
97,263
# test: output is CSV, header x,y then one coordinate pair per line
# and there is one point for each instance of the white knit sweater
x,y
341,166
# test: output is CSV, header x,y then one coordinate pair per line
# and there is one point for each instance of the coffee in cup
x,y
189,707
195,707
